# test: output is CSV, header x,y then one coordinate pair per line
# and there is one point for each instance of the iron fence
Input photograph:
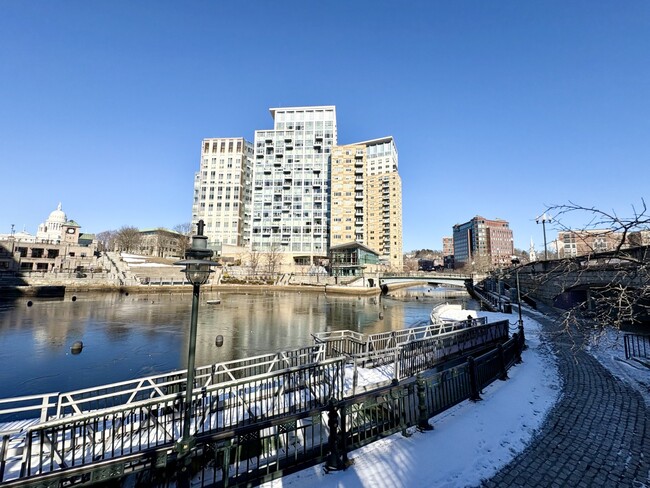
x,y
636,346
248,430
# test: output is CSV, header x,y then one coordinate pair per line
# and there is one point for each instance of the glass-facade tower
x,y
290,197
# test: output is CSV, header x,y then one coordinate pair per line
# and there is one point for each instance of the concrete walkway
x,y
598,434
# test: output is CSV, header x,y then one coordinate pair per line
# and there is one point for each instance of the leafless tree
x,y
106,240
253,259
598,288
273,258
410,264
128,239
185,230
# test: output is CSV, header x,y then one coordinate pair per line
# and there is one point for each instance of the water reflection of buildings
x,y
138,335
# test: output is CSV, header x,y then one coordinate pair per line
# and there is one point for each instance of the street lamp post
x,y
515,261
197,270
543,219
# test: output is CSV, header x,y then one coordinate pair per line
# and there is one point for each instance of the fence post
x,y
502,363
518,348
473,380
423,417
334,461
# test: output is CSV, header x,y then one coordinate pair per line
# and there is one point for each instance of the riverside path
x,y
597,434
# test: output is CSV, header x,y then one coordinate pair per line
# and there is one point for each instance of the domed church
x,y
58,229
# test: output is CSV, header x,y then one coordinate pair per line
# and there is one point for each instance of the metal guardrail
x,y
89,438
636,346
250,428
355,343
56,405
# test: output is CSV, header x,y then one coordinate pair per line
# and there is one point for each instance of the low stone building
x,y
58,246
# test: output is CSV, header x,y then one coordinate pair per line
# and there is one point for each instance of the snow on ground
x,y
608,348
470,442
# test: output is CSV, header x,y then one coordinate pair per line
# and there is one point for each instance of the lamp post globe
x,y
197,271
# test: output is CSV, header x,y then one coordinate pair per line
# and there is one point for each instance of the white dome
x,y
58,216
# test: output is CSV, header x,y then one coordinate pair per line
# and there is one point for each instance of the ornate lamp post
x,y
543,219
197,270
515,262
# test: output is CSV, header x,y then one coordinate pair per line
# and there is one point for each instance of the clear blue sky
x,y
498,108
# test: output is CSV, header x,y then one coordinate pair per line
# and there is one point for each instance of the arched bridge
x,y
394,282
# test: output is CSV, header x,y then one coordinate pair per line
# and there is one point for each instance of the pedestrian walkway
x,y
597,434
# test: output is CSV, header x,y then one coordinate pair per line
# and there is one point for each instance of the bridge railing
x,y
31,407
93,437
248,430
56,405
354,343
636,346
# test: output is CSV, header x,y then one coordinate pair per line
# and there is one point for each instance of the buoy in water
x,y
30,303
218,341
77,347
74,298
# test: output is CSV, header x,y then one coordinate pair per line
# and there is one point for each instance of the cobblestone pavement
x,y
597,434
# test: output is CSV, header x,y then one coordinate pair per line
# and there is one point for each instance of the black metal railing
x,y
636,346
255,429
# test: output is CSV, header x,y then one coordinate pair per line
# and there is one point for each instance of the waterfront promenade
x,y
598,434
562,419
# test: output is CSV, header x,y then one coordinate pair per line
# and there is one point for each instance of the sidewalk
x,y
597,434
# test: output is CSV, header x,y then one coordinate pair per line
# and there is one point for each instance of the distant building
x,y
222,190
367,198
532,255
162,243
57,246
574,243
483,242
447,246
352,259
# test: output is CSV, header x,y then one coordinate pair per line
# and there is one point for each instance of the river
x,y
129,336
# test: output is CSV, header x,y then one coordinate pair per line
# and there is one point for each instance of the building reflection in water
x,y
128,336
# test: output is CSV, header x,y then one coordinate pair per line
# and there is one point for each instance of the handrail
x,y
253,408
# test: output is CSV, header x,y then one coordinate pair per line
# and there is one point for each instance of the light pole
x,y
197,270
515,262
543,219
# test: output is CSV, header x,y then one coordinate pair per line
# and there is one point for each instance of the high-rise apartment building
x,y
367,198
290,204
482,242
294,191
222,190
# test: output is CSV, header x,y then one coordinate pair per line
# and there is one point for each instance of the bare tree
x,y
128,239
410,264
185,230
253,259
106,240
273,258
597,288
